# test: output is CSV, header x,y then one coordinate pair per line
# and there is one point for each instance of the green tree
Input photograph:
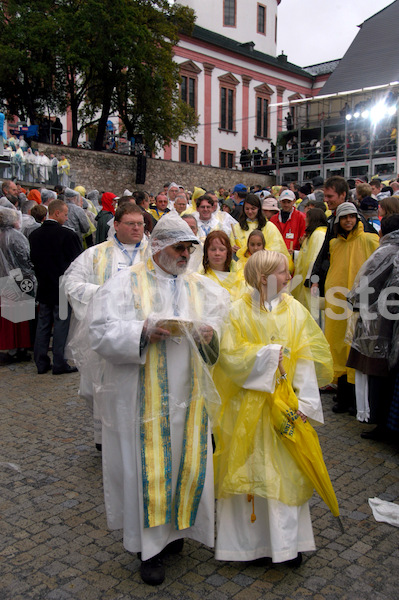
x,y
97,57
28,64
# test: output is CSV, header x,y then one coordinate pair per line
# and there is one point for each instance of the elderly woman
x,y
17,271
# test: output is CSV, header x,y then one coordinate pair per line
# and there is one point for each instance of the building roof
x,y
248,50
323,68
370,59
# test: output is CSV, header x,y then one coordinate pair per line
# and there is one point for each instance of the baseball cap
x,y
287,195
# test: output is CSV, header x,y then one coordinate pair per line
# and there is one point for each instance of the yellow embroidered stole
x,y
159,505
102,262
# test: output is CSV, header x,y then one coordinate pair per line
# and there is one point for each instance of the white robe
x,y
115,335
80,283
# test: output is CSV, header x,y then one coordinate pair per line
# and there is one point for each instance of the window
x,y
188,153
188,86
261,25
262,105
187,90
228,85
227,109
229,13
227,159
263,94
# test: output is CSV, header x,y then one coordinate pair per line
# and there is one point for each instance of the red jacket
x,y
292,230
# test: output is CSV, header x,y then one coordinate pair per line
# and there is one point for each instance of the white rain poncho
x,y
155,395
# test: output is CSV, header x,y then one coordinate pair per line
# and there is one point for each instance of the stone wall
x,y
105,171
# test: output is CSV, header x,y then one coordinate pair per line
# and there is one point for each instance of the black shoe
x,y
339,408
99,447
152,570
294,563
23,356
65,369
8,359
375,434
352,411
174,547
44,370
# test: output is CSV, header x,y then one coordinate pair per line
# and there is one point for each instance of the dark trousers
x,y
49,316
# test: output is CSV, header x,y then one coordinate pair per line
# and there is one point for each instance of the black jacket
x,y
52,249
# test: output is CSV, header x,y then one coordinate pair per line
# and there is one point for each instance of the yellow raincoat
x,y
304,263
234,282
347,255
262,447
273,238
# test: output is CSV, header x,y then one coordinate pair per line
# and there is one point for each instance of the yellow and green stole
x,y
102,261
156,455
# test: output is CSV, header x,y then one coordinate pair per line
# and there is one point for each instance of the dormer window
x,y
229,13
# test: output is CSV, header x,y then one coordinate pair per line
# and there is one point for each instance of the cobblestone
x,y
55,544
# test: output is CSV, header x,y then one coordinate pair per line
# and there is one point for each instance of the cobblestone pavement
x,y
54,541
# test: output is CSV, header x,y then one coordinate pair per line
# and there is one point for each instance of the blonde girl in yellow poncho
x,y
268,335
217,264
315,233
348,251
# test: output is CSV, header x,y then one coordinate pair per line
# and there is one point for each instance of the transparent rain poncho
x,y
154,329
17,277
127,310
375,300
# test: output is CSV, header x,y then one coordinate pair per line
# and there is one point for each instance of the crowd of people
x,y
33,166
204,325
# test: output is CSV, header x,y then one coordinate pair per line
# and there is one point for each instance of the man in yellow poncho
x,y
348,251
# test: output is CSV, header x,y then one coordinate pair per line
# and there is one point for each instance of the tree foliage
x,y
98,57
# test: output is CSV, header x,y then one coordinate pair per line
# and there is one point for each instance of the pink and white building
x,y
233,79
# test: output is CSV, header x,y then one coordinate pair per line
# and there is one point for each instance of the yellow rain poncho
x,y
273,238
262,447
234,283
304,263
347,255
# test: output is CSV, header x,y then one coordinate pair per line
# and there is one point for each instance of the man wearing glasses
x,y
154,328
92,269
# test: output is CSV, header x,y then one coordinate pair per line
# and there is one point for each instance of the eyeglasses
x,y
132,223
180,248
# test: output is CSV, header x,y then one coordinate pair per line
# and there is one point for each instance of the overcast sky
x,y
314,31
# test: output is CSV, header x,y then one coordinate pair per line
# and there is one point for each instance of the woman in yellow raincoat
x,y
218,265
271,348
348,251
315,233
253,218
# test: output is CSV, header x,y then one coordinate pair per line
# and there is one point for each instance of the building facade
x,y
233,79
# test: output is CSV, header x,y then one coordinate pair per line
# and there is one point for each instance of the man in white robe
x,y
156,327
90,271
